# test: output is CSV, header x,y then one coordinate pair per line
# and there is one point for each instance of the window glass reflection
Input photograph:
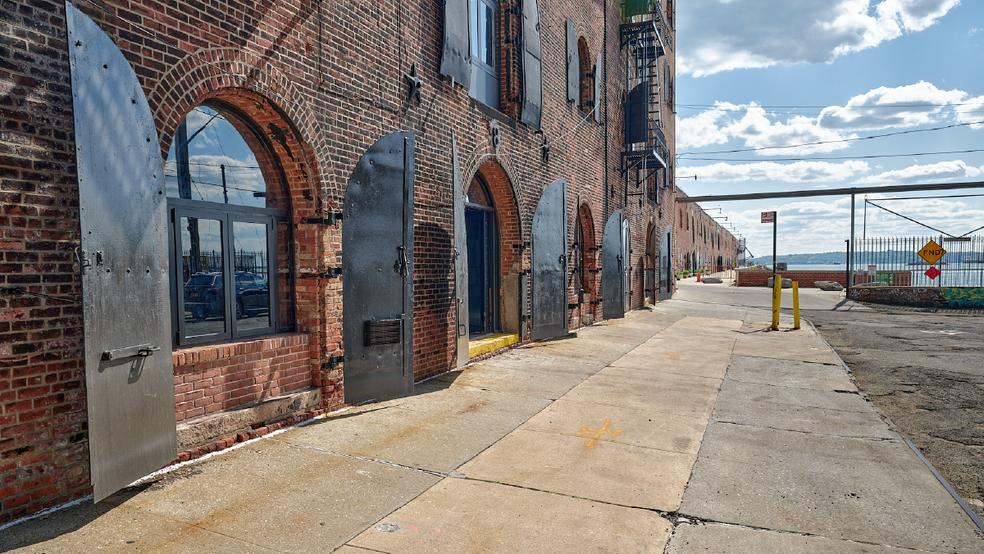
x,y
215,164
201,276
252,303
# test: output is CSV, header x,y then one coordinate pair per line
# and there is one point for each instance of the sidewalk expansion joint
x,y
811,433
372,460
658,512
677,519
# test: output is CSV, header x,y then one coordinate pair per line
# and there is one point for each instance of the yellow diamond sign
x,y
932,252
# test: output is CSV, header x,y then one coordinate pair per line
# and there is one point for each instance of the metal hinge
x,y
331,273
330,218
333,362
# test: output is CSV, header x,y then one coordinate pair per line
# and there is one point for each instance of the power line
x,y
817,143
817,107
828,158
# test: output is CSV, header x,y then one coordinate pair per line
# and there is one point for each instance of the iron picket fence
x,y
896,261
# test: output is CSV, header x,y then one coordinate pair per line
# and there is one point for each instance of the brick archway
x,y
511,252
285,123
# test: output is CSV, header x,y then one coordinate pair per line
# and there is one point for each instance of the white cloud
x,y
942,171
971,111
718,35
883,107
798,172
757,130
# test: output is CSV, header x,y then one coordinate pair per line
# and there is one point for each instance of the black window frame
x,y
228,215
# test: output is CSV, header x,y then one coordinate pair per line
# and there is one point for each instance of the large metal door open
x,y
666,265
124,258
652,270
460,259
377,272
613,262
549,260
626,266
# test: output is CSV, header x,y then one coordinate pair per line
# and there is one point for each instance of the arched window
x,y
228,211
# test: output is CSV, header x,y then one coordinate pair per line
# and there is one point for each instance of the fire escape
x,y
644,37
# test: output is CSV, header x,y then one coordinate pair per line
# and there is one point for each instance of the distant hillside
x,y
821,258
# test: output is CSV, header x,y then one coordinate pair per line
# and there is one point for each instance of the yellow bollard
x,y
776,294
796,305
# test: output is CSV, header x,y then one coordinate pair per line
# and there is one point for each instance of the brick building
x,y
257,212
701,242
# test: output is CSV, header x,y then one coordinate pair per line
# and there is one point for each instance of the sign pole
x,y
775,223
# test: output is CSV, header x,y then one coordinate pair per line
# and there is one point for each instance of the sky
x,y
785,95
216,144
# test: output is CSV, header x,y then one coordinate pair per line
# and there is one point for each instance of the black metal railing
x,y
896,261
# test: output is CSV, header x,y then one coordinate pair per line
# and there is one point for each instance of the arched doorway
x,y
482,229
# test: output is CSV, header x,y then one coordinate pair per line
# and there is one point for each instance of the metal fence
x,y
896,261
253,262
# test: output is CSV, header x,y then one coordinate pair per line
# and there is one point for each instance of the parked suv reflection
x,y
204,296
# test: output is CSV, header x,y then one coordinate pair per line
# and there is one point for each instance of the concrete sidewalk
x,y
687,427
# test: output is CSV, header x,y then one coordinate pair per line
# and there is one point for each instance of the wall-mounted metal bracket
x,y
330,218
415,83
333,362
331,273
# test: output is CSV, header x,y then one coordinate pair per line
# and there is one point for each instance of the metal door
x,y
460,258
666,265
626,266
549,242
377,272
612,268
652,271
125,290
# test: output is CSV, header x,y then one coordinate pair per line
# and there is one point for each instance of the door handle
x,y
142,350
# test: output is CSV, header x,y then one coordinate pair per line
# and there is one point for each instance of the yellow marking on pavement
x,y
595,434
673,355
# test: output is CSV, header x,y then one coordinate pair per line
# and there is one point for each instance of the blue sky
x,y
766,75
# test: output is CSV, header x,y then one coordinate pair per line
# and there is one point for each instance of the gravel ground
x,y
924,369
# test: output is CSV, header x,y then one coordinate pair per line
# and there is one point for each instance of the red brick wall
x,y
756,278
320,102
43,449
211,378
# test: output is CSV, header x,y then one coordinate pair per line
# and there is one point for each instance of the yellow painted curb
x,y
489,344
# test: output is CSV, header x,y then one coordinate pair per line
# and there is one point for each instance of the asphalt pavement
x,y
688,426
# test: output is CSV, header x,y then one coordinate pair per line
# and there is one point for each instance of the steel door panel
x,y
612,267
666,265
573,65
125,289
598,89
532,109
549,261
460,258
626,266
377,269
456,58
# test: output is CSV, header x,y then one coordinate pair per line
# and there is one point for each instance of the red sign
x,y
768,217
932,273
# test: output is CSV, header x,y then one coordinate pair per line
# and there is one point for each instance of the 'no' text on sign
x,y
768,217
